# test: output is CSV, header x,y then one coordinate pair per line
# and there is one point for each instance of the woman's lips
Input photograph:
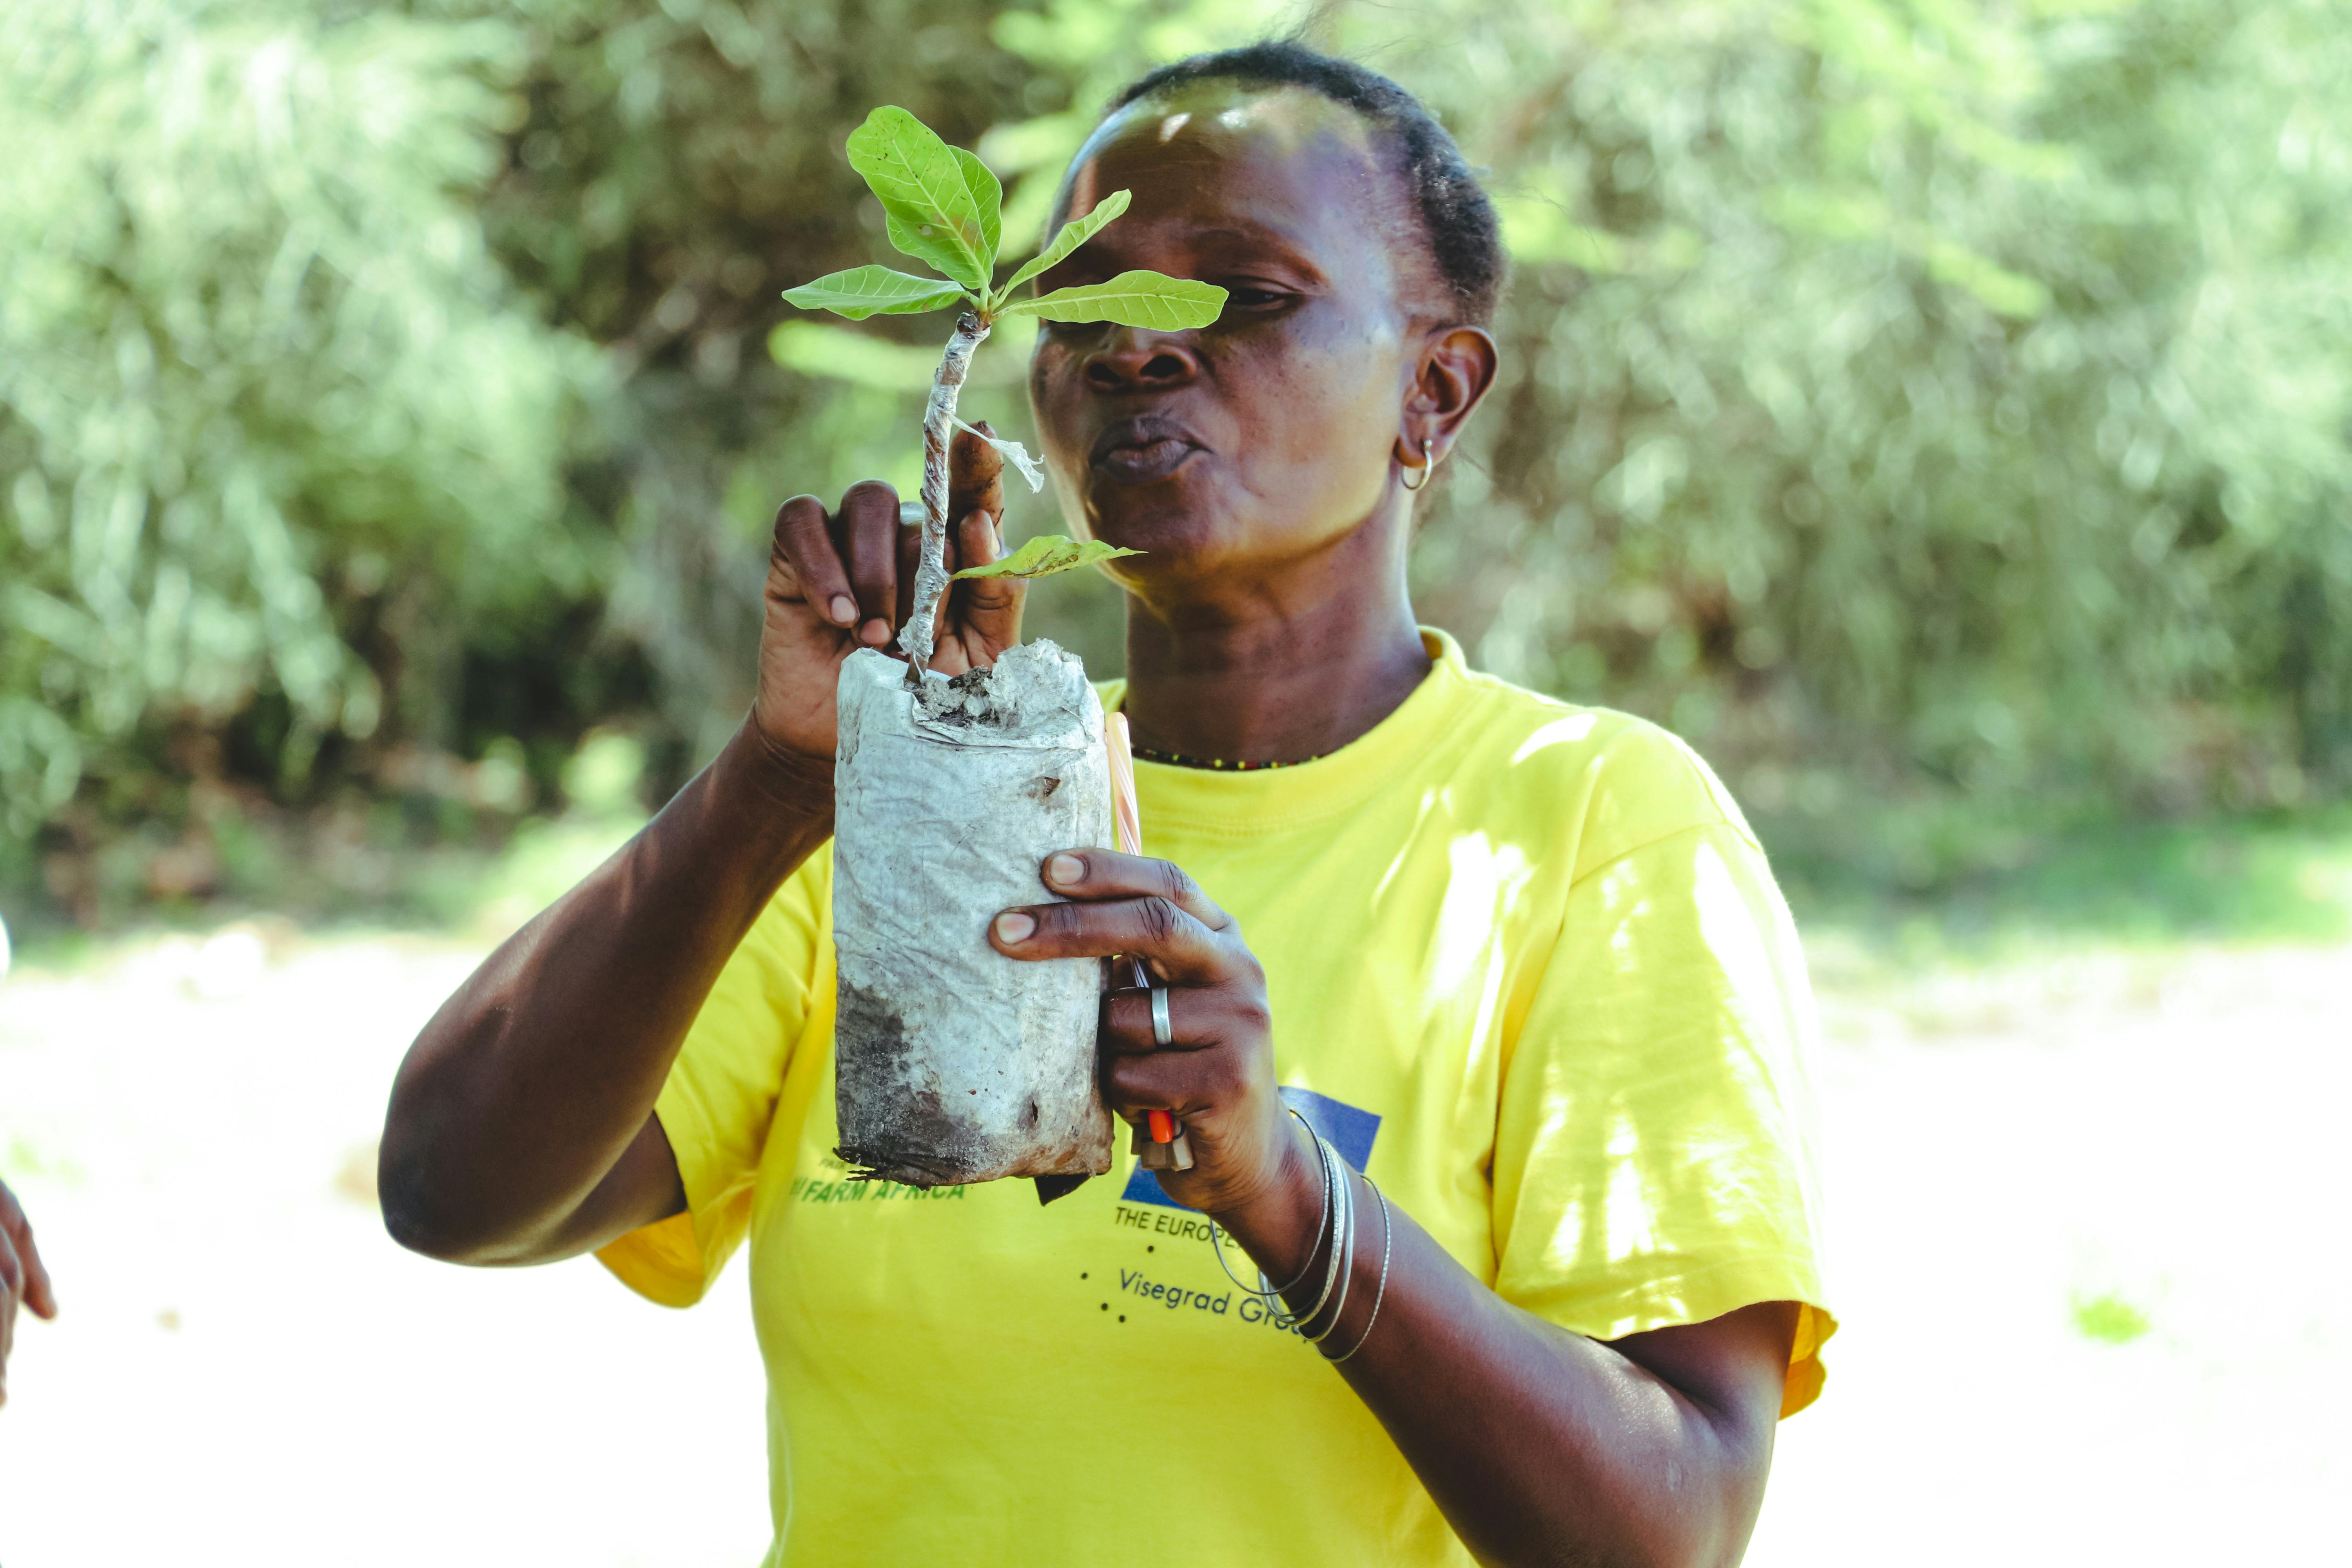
x,y
1142,447
1145,459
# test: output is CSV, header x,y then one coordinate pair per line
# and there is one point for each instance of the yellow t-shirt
x,y
1528,967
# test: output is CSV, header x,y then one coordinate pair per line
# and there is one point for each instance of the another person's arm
x,y
23,1280
521,1127
1540,1446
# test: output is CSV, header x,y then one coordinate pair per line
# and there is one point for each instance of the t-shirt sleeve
x,y
720,1096
1653,1155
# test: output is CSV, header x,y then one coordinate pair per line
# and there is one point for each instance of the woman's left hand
x,y
1653,1449
1217,1075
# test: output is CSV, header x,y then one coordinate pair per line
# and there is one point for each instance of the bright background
x,y
1937,415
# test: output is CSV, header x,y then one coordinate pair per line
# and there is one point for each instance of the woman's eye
x,y
1249,297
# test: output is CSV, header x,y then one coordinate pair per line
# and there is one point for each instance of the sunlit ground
x,y
2087,1220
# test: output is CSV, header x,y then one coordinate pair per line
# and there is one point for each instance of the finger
x,y
869,521
803,544
11,1284
988,608
996,601
1090,874
1197,1019
1184,1083
39,1294
910,561
975,475
1176,946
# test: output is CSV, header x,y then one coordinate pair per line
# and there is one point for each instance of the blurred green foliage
x,y
1933,393
2110,1320
1912,405
1953,877
273,433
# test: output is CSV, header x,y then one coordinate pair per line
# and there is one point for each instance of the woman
x,y
1520,963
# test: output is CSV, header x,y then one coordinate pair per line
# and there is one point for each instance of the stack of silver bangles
x,y
1338,1217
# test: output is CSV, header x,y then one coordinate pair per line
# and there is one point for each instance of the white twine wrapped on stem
x,y
917,639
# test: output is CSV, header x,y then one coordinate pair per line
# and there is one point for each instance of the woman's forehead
x,y
1284,157
1231,119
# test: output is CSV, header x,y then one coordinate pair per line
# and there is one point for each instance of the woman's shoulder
x,y
1616,781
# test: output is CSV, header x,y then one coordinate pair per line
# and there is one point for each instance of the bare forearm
x,y
533,1080
1540,1446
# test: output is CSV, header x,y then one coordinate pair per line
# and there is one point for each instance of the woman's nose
x,y
1132,360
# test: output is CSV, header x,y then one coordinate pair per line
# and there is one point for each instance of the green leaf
x,y
1150,299
941,207
863,292
988,196
1075,232
1047,555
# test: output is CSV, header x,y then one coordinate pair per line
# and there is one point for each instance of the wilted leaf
x,y
1047,555
941,208
863,292
1015,453
1148,300
1074,234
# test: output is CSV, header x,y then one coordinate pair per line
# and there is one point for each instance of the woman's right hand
x,y
521,1127
844,579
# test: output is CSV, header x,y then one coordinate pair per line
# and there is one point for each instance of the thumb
x,y
988,608
976,476
39,1294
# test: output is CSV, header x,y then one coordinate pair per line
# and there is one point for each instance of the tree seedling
x,y
944,207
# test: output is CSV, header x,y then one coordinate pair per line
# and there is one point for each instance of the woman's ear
x,y
1457,368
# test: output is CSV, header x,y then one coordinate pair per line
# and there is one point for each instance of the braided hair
x,y
1457,222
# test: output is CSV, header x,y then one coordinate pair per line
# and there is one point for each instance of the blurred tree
x,y
271,436
1886,380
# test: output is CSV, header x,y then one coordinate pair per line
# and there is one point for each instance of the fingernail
x,y
1014,926
843,609
1066,869
876,631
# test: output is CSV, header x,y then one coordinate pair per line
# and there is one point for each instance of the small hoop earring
x,y
1426,466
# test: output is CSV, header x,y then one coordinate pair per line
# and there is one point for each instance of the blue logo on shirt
x,y
1349,1129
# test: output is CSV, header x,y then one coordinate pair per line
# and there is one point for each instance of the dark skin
x,y
1259,462
23,1280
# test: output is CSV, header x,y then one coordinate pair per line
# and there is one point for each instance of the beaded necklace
x,y
1219,764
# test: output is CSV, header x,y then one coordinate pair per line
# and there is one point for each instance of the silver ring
x,y
1163,1032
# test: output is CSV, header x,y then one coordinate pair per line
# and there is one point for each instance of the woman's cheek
x,y
1326,423
1049,369
1055,403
